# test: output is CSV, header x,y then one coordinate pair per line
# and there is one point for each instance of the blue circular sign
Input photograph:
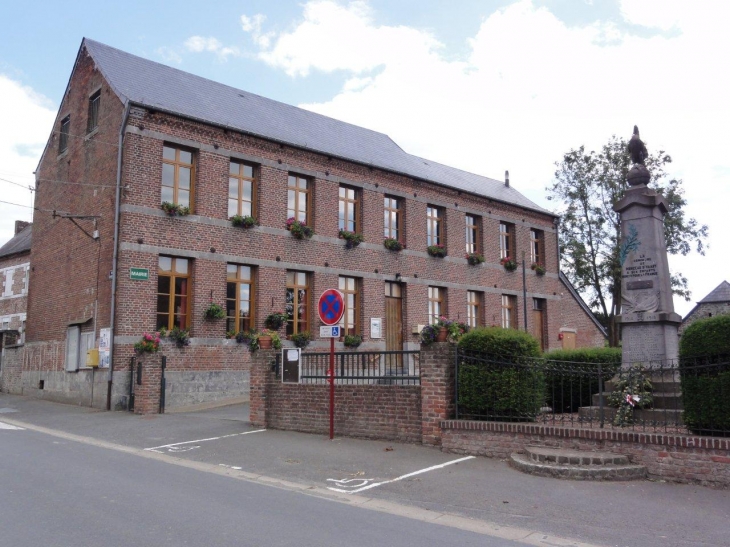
x,y
331,306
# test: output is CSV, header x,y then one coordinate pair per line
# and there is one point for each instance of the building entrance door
x,y
393,324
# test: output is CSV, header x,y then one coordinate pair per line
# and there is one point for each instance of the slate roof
x,y
168,89
721,293
20,243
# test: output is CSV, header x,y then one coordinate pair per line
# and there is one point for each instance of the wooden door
x,y
393,324
568,340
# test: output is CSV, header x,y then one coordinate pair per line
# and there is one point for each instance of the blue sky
x,y
481,85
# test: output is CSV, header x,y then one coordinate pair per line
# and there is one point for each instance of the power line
x,y
17,184
28,187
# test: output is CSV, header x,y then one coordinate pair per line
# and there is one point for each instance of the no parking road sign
x,y
331,306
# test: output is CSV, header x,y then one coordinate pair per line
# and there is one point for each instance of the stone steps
x,y
660,399
576,464
646,416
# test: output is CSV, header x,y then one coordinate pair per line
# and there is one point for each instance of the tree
x,y
589,184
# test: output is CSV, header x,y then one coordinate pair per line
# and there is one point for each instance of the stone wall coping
x,y
661,439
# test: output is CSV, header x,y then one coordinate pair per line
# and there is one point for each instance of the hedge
x,y
571,375
499,375
704,351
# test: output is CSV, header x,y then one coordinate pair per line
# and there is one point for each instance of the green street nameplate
x,y
139,274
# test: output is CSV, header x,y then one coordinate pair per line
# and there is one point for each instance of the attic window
x,y
65,128
93,119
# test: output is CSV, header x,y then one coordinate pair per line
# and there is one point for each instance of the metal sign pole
x,y
332,388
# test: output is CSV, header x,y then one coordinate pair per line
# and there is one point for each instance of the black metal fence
x,y
686,396
362,367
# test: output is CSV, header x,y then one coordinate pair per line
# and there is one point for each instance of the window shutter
x,y
72,348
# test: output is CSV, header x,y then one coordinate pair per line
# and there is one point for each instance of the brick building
x,y
715,303
132,134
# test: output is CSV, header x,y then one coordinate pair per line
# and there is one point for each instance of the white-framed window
x,y
8,283
73,337
26,279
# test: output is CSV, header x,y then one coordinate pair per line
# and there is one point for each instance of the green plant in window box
x,y
509,264
392,244
298,229
438,250
214,311
245,221
474,259
244,336
231,334
351,238
150,343
539,269
180,336
254,344
301,339
352,340
275,320
173,209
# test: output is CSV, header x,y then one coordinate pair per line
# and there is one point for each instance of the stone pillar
x,y
648,321
147,393
262,362
437,389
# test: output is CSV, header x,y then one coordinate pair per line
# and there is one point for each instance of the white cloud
x,y
27,121
170,55
199,44
532,88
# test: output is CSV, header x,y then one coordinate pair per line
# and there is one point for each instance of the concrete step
x,y
547,462
661,400
654,417
543,454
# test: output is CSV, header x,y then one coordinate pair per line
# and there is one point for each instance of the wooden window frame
x,y
537,246
92,121
348,203
300,194
242,179
507,241
476,234
356,292
509,311
238,280
177,164
293,325
435,225
172,294
392,207
474,307
436,303
64,133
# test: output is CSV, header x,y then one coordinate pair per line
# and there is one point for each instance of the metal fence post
x,y
600,395
456,383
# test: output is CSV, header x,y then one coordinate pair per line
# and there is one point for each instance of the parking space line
x,y
3,425
373,485
172,447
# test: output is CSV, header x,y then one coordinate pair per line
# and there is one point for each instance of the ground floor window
x,y
173,293
297,302
240,289
509,311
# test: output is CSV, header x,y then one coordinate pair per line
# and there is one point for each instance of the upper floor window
x,y
8,282
392,210
239,298
473,308
65,130
92,121
241,190
436,307
348,209
509,311
472,234
434,225
507,240
299,192
173,293
177,176
537,247
350,322
297,302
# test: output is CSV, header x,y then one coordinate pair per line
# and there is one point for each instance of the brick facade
x,y
77,267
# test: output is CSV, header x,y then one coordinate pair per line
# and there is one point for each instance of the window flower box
x,y
539,269
509,264
244,221
214,311
474,259
351,238
393,244
298,229
276,320
438,250
173,209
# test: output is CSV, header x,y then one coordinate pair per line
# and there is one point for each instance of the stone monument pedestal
x,y
648,321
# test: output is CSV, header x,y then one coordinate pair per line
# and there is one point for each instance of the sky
x,y
482,85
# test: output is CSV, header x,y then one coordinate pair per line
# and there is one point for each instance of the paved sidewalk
x,y
635,514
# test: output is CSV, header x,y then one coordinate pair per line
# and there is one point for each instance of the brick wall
x,y
11,370
703,311
677,458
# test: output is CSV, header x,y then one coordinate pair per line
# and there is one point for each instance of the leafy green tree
x,y
588,184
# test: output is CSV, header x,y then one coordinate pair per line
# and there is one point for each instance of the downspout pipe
x,y
115,257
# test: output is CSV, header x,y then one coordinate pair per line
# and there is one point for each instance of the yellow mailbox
x,y
92,357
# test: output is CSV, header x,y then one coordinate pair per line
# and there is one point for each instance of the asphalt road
x,y
423,484
65,493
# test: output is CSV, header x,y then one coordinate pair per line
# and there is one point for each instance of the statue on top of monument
x,y
637,150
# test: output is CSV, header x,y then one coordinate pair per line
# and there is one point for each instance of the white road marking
x,y
3,425
346,483
174,446
373,485
230,466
